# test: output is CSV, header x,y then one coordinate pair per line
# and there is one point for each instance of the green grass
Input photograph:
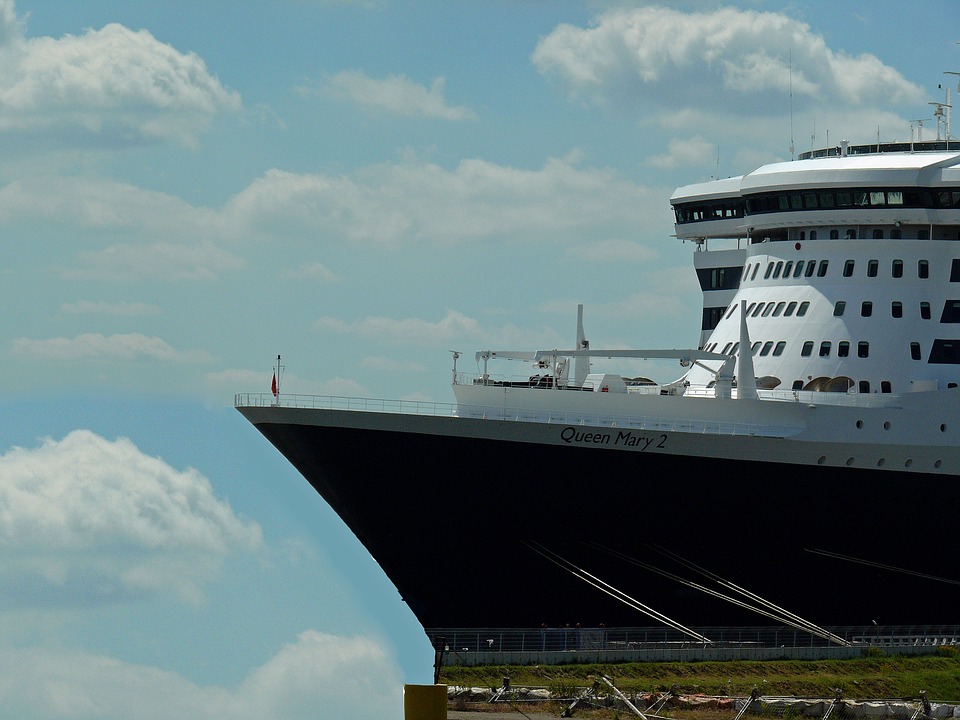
x,y
867,678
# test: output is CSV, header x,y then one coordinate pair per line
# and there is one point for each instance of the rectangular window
x,y
894,197
896,309
790,308
945,352
872,268
787,268
843,349
896,268
915,351
802,310
861,198
766,274
878,197
779,309
924,311
885,386
866,308
826,200
923,269
778,350
807,349
864,386
955,270
811,268
825,348
839,308
798,270
822,270
776,272
951,312
848,268
863,349
810,200
844,199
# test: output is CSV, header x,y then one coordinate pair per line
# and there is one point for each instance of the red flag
x,y
273,385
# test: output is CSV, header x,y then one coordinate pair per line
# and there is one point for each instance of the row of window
x,y
780,268
942,352
793,200
774,308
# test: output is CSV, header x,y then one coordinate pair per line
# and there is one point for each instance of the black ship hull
x,y
481,531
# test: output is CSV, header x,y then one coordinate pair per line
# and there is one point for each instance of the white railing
x,y
531,415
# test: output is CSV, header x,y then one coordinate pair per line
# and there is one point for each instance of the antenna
x,y
791,103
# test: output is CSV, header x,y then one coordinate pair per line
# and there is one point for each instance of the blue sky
x,y
189,189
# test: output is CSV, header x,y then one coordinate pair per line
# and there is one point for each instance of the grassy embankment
x,y
875,677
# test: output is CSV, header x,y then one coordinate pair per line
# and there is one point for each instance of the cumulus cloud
x,y
114,83
396,94
730,59
318,675
452,325
129,262
85,519
411,201
119,309
127,347
680,153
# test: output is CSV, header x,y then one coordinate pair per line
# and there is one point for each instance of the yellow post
x,y
425,702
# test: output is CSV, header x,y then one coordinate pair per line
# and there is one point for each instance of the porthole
x,y
859,424
881,462
908,463
849,461
943,427
821,460
938,463
886,425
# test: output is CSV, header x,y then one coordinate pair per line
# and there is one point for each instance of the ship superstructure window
x,y
811,268
955,270
753,275
945,352
798,384
848,268
730,311
726,348
895,234
798,270
924,311
711,317
863,349
777,269
923,269
749,308
825,348
787,268
802,310
822,270
915,350
851,234
767,347
896,309
824,199
754,347
778,350
885,386
834,234
877,234
813,234
768,309
843,349
896,268
791,306
872,268
708,210
766,274
839,308
951,312
758,309
723,278
807,349
779,309
863,386
866,308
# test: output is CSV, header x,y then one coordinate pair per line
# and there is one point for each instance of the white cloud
x,y
113,82
411,201
727,59
154,261
395,94
312,271
319,675
694,152
85,519
130,346
453,325
613,251
119,309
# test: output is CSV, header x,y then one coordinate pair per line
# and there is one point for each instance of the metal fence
x,y
622,642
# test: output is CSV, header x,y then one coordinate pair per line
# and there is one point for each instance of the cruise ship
x,y
802,462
